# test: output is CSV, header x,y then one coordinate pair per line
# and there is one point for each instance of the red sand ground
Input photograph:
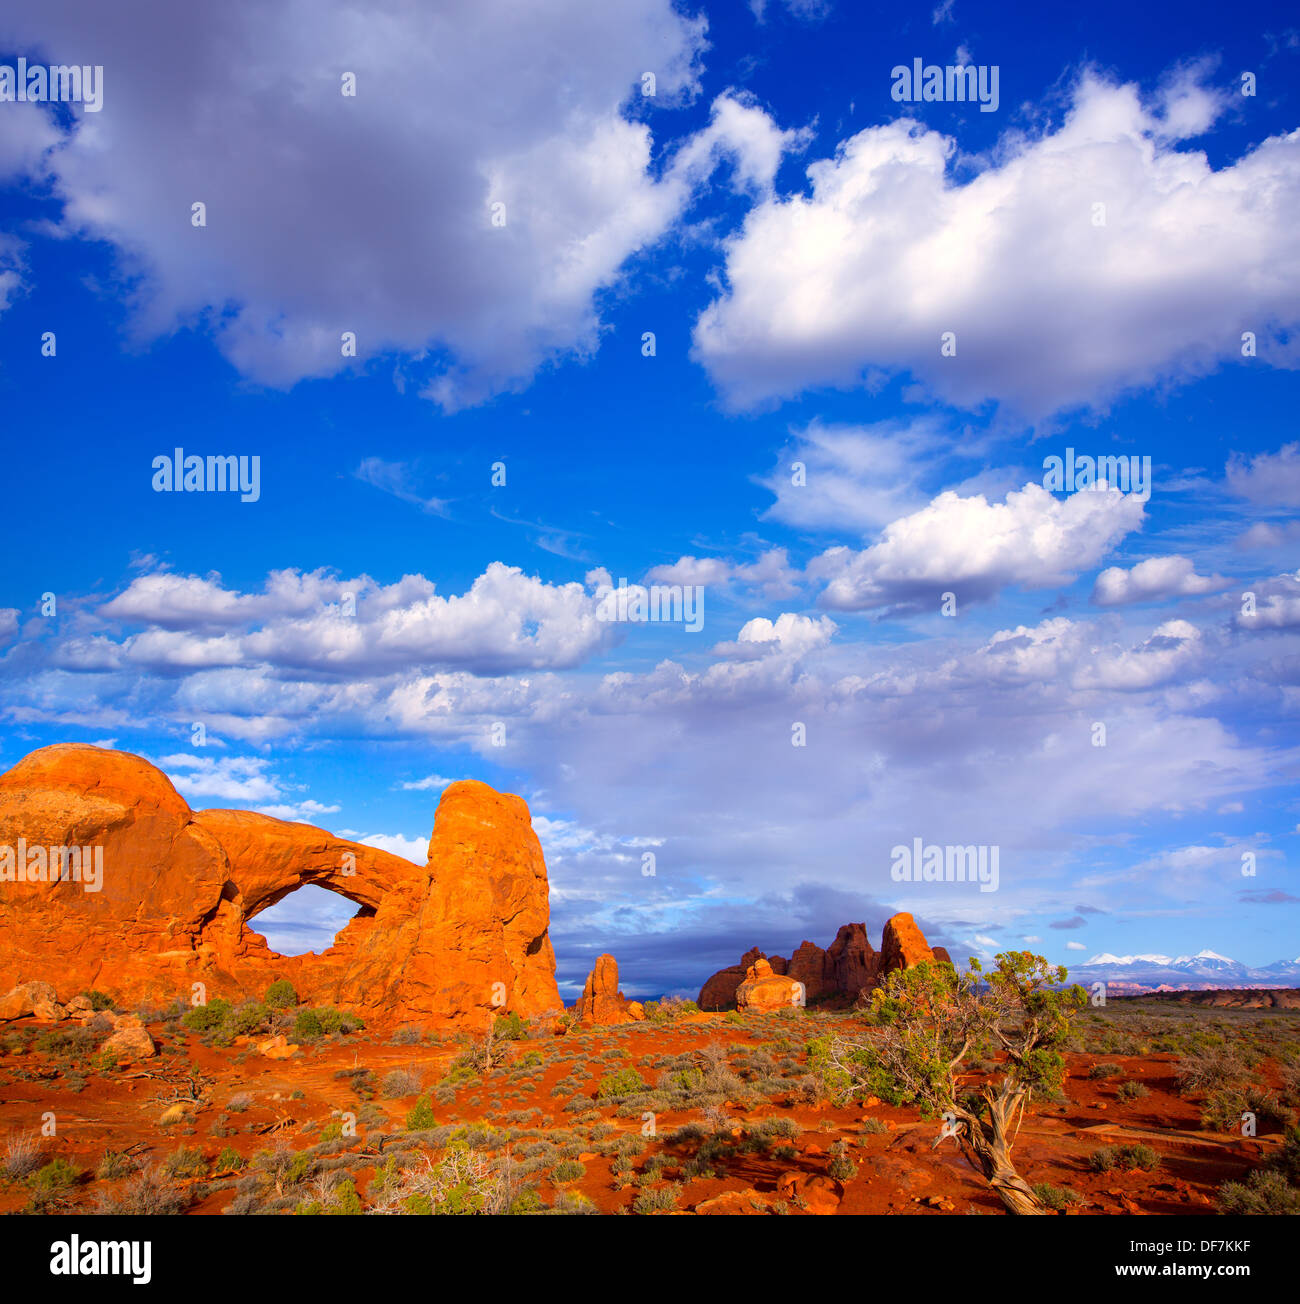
x,y
898,1170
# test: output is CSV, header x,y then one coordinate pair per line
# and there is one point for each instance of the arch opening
x,y
306,920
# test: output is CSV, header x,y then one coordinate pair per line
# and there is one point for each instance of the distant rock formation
x,y
847,968
853,961
764,989
719,992
1227,998
602,1003
459,938
902,946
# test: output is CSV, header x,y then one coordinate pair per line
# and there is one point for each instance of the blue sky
x,y
797,242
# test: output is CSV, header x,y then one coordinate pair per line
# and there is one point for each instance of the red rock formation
x,y
902,946
719,992
808,966
849,967
941,954
853,961
462,937
601,1002
764,989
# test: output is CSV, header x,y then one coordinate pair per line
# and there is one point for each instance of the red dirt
x,y
898,1169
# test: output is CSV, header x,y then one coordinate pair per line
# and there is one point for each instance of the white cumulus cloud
x,y
1053,302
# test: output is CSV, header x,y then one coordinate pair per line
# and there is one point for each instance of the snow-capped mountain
x,y
1204,969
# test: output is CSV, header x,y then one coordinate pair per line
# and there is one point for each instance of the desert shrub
x,y
873,1126
420,1117
1057,1197
114,1164
1138,1156
835,1081
1211,1067
1269,1110
281,995
339,1021
407,1035
98,1000
148,1193
460,1182
285,1168
1104,1070
208,1017
1132,1091
239,1102
568,1170
56,1176
246,1019
841,1167
657,1201
1264,1191
1225,1107
669,1009
688,1080
624,1082
307,1026
22,1154
229,1161
1103,1160
16,1042
402,1082
188,1161
67,1043
510,1027
1287,1161
1291,1080
337,1196
362,1081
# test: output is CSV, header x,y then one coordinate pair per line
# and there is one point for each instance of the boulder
x,y
764,989
461,938
130,1039
811,1191
277,1047
941,954
31,1000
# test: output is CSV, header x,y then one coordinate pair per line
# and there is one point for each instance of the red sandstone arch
x,y
460,937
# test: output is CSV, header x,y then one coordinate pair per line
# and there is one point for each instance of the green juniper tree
x,y
925,1021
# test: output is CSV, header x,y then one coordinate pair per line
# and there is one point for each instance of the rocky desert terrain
x,y
694,1112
